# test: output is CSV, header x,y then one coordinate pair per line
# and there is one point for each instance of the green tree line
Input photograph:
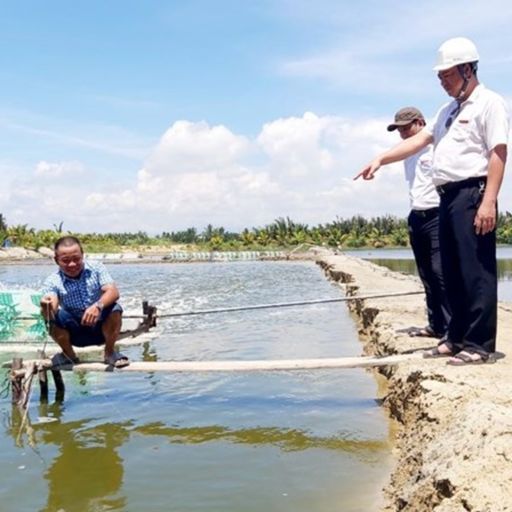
x,y
356,232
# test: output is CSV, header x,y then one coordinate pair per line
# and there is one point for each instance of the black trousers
x,y
469,268
424,238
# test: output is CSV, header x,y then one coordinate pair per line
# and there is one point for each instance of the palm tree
x,y
3,223
58,227
22,235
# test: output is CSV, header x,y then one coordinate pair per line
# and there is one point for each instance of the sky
x,y
154,116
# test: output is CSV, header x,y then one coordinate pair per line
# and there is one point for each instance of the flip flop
x,y
117,360
62,361
465,358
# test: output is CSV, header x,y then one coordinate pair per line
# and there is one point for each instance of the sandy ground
x,y
453,449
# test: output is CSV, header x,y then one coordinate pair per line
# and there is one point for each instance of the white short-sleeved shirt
x,y
418,174
462,150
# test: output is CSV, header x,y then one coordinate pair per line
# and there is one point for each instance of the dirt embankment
x,y
453,448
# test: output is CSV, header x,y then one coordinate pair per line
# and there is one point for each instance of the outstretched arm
x,y
399,152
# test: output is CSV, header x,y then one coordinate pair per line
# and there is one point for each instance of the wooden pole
x,y
18,396
42,377
242,366
148,321
248,366
59,385
43,385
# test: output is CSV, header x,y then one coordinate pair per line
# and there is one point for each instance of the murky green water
x,y
402,260
288,441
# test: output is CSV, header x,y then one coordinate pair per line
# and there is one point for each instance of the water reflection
x,y
78,441
88,473
287,440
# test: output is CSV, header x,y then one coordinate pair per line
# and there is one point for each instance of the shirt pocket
x,y
461,129
93,287
425,164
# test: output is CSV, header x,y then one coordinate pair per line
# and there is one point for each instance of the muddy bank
x,y
453,449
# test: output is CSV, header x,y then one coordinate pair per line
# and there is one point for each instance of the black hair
x,y
473,66
67,241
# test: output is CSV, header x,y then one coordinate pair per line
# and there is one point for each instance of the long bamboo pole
x,y
243,366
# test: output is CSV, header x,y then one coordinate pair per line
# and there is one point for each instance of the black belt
x,y
458,185
426,214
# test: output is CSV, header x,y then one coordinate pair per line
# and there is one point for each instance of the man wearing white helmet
x,y
470,136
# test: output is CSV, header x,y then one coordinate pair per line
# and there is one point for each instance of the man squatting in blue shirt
x,y
80,302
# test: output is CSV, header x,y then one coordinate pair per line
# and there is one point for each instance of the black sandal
x,y
423,332
465,358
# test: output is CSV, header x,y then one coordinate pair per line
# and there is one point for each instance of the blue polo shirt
x,y
77,294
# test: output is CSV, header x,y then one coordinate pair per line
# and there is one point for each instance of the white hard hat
x,y
453,52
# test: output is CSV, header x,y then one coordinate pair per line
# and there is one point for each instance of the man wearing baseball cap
x,y
423,222
470,136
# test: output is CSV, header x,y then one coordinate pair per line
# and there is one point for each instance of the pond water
x,y
266,441
402,260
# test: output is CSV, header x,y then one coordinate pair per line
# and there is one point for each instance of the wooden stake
x,y
18,395
43,385
59,385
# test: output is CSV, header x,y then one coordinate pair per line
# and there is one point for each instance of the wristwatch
x,y
100,305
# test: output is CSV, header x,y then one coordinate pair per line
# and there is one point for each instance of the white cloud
x,y
58,169
295,145
195,147
301,167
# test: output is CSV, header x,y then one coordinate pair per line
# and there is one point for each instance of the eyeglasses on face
x,y
66,260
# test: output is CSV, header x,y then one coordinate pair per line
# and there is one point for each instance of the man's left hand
x,y
91,316
485,219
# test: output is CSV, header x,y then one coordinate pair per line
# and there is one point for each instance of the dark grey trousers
x,y
424,238
469,268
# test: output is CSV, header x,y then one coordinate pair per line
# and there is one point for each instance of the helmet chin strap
x,y
464,87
